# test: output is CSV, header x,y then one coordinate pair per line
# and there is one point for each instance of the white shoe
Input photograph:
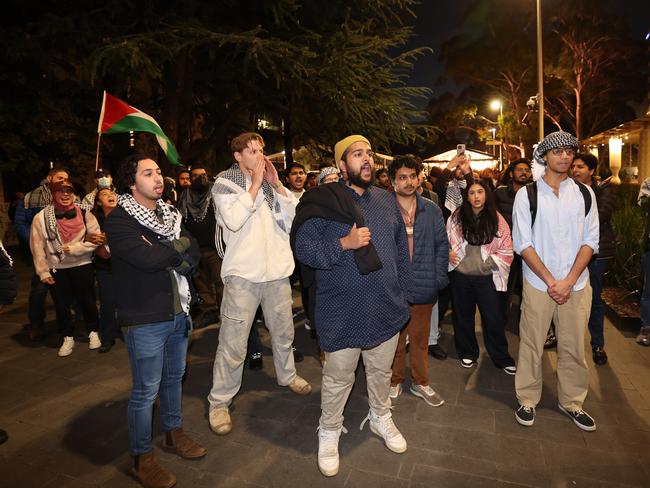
x,y
385,428
395,391
328,451
93,341
67,347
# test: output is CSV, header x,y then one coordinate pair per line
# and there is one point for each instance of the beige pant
x,y
338,378
570,319
240,301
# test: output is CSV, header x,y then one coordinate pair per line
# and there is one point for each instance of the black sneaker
x,y
550,342
525,415
581,418
599,355
437,352
255,361
297,355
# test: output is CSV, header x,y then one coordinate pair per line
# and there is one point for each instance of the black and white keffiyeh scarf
x,y
164,221
52,231
553,141
235,176
454,196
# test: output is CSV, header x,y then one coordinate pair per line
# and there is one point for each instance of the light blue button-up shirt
x,y
561,229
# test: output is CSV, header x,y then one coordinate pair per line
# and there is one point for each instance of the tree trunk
x,y
288,139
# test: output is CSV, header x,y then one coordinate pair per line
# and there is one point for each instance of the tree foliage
x,y
205,70
591,79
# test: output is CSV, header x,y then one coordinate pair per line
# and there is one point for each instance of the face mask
x,y
104,182
200,183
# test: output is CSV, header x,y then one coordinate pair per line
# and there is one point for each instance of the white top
x,y
561,229
257,248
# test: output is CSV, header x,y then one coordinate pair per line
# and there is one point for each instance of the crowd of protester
x,y
379,256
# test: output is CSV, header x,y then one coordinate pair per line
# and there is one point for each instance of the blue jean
x,y
645,297
157,356
597,268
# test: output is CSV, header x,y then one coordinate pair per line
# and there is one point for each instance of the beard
x,y
355,179
200,185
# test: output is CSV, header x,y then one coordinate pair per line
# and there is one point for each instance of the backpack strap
x,y
585,195
531,190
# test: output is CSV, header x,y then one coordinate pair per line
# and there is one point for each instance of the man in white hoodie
x,y
62,259
255,213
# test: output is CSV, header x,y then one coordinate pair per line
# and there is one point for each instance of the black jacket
x,y
505,200
141,262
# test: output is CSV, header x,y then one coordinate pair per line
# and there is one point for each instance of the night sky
x,y
438,20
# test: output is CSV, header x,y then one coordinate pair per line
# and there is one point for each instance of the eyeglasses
x,y
569,151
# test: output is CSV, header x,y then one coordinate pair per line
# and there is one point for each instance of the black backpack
x,y
531,190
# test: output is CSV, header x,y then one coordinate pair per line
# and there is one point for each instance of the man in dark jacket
x,y
428,249
357,312
152,258
518,175
583,168
196,207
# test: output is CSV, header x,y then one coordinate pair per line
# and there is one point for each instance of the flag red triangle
x,y
113,109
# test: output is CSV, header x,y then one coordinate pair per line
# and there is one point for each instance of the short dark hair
x,y
126,171
380,172
197,166
435,171
590,160
403,161
58,169
102,172
182,170
290,166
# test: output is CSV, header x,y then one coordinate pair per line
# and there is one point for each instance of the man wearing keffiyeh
x,y
255,213
152,258
556,250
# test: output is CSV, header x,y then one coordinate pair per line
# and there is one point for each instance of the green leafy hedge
x,y
628,221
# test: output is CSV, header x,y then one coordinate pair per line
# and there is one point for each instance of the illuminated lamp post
x,y
497,105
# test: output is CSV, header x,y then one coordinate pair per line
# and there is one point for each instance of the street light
x,y
540,71
497,105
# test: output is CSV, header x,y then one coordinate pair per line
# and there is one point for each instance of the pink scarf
x,y
69,228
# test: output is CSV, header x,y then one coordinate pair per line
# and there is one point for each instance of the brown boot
x,y
151,474
178,442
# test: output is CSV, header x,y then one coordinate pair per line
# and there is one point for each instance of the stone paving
x,y
66,419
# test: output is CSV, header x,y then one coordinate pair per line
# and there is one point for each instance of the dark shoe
x,y
36,333
178,442
599,355
3,436
255,361
525,415
581,418
106,346
644,336
551,341
297,355
437,352
151,474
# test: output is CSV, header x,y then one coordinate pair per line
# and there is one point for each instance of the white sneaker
x,y
67,347
385,428
328,451
93,341
395,391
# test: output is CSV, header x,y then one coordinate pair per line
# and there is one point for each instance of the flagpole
x,y
99,135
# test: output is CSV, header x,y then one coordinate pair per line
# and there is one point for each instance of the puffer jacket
x,y
430,252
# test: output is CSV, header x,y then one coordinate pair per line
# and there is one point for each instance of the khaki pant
x,y
417,329
240,301
570,319
338,378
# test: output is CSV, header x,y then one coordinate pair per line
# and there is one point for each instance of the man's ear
x,y
237,156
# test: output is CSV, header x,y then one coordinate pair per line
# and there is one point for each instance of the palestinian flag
x,y
119,117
